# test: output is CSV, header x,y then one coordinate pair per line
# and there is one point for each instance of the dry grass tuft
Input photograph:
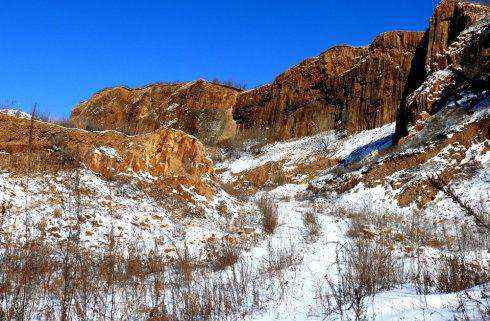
x,y
268,214
222,256
364,268
312,226
454,274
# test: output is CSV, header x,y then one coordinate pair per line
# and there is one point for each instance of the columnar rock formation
x,y
344,88
455,55
450,18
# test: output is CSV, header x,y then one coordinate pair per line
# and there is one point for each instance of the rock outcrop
x,y
166,154
353,88
361,88
199,108
450,18
344,88
299,102
456,59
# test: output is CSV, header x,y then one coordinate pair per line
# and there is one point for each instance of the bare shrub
x,y
230,83
92,127
109,286
278,178
480,218
62,121
268,214
280,258
455,274
222,209
221,256
312,226
363,268
479,300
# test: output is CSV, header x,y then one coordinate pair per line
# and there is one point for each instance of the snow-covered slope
x,y
384,217
346,183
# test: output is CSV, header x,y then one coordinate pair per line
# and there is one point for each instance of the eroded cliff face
x,y
204,110
373,88
363,88
450,18
353,88
299,102
343,88
166,154
456,59
199,108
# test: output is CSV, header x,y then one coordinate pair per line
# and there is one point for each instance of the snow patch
x,y
15,112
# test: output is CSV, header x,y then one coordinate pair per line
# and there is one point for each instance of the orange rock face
x,y
343,88
165,153
450,18
199,108
457,60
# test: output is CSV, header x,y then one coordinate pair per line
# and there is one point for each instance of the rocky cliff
x,y
199,108
166,154
450,18
454,58
343,88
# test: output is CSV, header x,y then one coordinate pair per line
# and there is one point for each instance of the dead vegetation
x,y
221,256
312,226
105,285
66,280
73,284
230,83
363,268
480,218
455,274
269,218
280,258
386,250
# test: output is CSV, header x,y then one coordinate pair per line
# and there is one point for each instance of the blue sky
x,y
58,53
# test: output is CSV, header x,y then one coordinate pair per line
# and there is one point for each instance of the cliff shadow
x,y
373,147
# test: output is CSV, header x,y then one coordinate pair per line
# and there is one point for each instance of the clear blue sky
x,y
57,53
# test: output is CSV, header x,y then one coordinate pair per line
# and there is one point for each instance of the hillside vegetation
x,y
355,186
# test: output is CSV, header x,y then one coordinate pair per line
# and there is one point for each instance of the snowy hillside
x,y
379,215
354,187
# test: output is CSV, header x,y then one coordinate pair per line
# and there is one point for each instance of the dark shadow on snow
x,y
363,151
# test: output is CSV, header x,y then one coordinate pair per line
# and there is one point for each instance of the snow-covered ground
x,y
316,258
15,112
48,206
51,208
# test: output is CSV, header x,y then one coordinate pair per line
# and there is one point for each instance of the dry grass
x,y
278,178
363,268
72,283
280,259
67,281
480,218
312,226
222,256
455,274
268,214
480,300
